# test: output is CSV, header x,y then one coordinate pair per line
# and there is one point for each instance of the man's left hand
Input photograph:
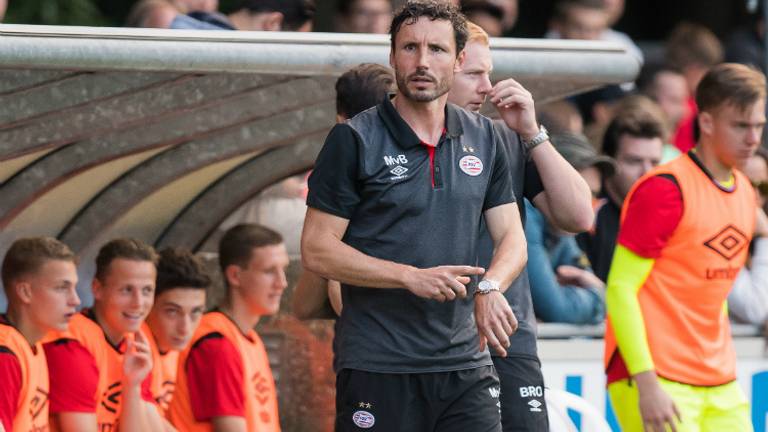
x,y
516,107
495,321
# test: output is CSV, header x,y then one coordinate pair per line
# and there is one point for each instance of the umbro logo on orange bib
x,y
728,242
39,401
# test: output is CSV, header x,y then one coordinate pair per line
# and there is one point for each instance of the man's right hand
x,y
137,360
657,408
442,283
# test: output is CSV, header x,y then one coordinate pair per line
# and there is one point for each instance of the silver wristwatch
x,y
537,139
485,286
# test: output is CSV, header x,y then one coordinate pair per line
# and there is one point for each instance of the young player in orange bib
x,y
685,233
179,304
100,367
238,394
39,277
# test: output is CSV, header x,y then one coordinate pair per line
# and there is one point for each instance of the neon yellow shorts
x,y
703,409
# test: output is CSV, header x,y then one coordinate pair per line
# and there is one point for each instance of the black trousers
x,y
523,408
457,401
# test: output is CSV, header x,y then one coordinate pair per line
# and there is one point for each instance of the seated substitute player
x,y
179,304
238,394
684,237
100,367
39,276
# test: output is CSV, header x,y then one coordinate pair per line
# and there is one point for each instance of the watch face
x,y
484,286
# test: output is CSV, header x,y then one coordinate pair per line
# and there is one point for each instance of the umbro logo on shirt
x,y
535,405
399,170
728,242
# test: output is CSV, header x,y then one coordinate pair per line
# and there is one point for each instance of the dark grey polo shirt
x,y
410,207
527,183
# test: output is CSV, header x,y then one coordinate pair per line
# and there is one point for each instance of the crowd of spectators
x,y
613,135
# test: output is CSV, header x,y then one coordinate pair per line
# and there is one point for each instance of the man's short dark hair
x,y
123,248
296,13
238,243
179,268
563,7
646,81
27,255
362,87
637,117
434,10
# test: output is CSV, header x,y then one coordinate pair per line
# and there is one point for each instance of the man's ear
x,y
23,291
706,123
232,274
97,288
392,57
460,61
273,21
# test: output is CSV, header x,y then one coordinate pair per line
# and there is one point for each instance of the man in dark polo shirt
x,y
523,407
395,202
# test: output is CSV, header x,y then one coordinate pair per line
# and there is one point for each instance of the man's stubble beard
x,y
443,87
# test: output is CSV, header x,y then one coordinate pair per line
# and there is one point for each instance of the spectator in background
x,y
668,88
197,5
563,287
364,16
693,50
3,7
634,139
153,14
510,9
597,108
748,301
251,15
614,9
589,20
274,15
485,13
174,14
747,45
561,116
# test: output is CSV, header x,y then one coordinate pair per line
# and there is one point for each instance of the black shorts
x,y
460,401
523,408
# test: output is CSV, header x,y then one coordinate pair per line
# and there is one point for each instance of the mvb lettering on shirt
x,y
395,160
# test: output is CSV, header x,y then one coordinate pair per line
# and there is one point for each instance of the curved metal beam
x,y
126,192
202,216
182,124
73,91
178,94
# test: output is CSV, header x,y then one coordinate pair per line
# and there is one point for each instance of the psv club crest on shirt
x,y
471,165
